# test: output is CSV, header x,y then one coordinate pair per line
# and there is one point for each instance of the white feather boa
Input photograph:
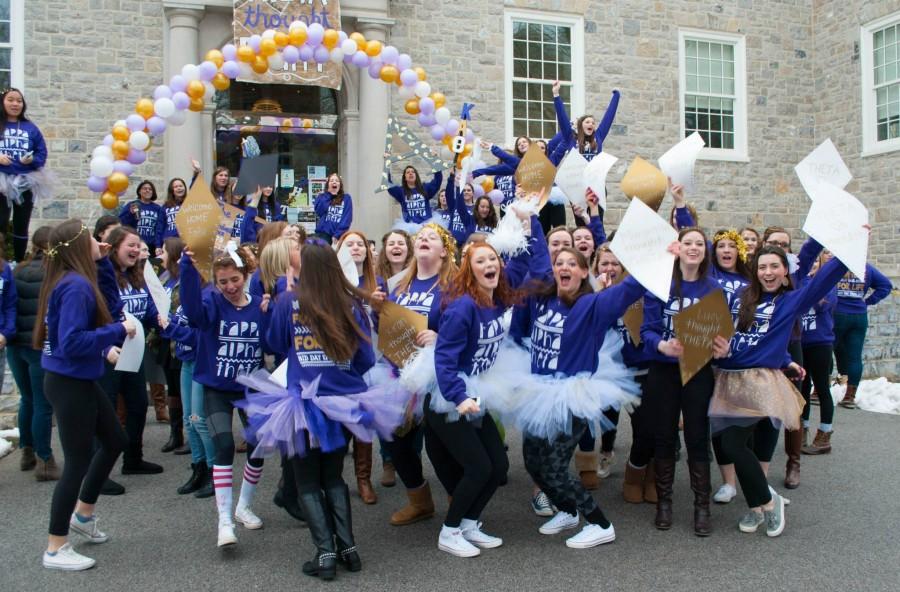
x,y
509,238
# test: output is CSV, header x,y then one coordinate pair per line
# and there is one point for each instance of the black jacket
x,y
29,278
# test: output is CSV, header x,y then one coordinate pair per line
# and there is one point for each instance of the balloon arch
x,y
113,161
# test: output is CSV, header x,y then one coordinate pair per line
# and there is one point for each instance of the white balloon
x,y
442,115
337,55
139,140
245,70
101,166
102,152
190,72
164,107
446,153
422,89
177,118
268,34
297,25
276,62
406,92
349,47
210,93
120,122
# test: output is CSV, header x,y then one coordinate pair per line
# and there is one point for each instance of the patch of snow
x,y
879,395
6,446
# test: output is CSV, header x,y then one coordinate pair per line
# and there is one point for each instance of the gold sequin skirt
x,y
742,397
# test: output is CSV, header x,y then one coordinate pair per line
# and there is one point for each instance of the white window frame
x,y
739,152
16,43
870,144
576,24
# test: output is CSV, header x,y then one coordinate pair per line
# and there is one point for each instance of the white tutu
x,y
509,237
42,184
410,228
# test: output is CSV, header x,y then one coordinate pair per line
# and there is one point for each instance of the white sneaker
x,y
787,502
471,531
452,541
245,516
67,559
591,536
724,494
540,505
606,463
562,521
226,535
88,530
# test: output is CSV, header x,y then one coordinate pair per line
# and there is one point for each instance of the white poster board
x,y
641,245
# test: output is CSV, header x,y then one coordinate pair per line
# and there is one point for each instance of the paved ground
x,y
838,537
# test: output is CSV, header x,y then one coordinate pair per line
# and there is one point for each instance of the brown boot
x,y
701,487
793,441
362,465
665,477
650,484
420,507
633,487
587,463
388,475
47,470
821,444
27,461
158,395
849,400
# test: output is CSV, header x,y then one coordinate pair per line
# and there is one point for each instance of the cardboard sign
x,y
158,293
260,171
696,327
641,245
197,222
400,143
836,221
570,178
678,161
536,173
596,172
397,330
645,182
822,165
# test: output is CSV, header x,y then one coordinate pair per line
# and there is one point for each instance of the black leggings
x,y
469,459
665,399
607,437
317,470
83,412
405,452
817,361
21,218
551,216
736,445
133,388
219,407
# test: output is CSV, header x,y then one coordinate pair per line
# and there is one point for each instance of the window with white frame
x,y
713,92
540,50
11,43
880,53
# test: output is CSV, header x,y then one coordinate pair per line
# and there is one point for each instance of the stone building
x,y
764,80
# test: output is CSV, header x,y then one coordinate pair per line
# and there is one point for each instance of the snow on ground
x,y
879,395
6,446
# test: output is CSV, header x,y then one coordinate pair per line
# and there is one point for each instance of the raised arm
x,y
608,117
433,186
200,311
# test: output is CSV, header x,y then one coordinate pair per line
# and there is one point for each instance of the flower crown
x,y
733,235
446,238
54,250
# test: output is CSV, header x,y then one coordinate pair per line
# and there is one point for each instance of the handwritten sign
x,y
570,177
641,245
397,330
696,327
596,172
678,161
836,221
822,165
645,182
536,173
158,293
197,222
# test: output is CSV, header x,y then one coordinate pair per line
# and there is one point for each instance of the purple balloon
x,y
229,52
348,58
181,100
162,92
123,166
231,69
254,42
452,126
360,59
290,54
135,122
478,189
207,70
108,140
426,105
375,70
389,54
496,196
136,156
314,34
409,77
306,53
404,62
97,184
321,55
177,83
156,125
426,120
438,132
470,135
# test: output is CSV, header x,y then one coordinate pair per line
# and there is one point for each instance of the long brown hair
x,y
703,269
382,265
327,302
741,266
69,251
369,284
418,186
227,195
269,232
171,200
40,242
173,247
752,295
582,139
549,290
338,197
465,282
491,220
134,275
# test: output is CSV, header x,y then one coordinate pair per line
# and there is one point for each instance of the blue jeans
x,y
202,447
35,412
849,338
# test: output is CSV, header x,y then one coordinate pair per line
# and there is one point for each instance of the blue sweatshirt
x,y
658,316
731,283
504,173
109,287
150,222
853,293
169,227
229,339
416,208
423,297
184,336
7,303
138,302
570,139
455,203
288,337
333,220
272,212
18,139
818,322
764,344
74,345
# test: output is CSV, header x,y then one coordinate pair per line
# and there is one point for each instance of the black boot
x,y
197,480
665,477
133,462
701,487
176,436
318,518
110,487
338,499
206,489
286,494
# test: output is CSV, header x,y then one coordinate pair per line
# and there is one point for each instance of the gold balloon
x,y
331,38
196,104
488,184
373,48
267,47
282,39
307,123
260,65
195,89
298,36
221,82
389,73
412,106
360,40
439,99
144,108
117,182
120,149
245,53
466,151
421,72
448,139
120,132
109,200
215,56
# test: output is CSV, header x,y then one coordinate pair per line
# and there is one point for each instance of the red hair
x,y
465,282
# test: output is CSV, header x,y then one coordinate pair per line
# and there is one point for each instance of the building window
x,y
11,43
540,50
713,92
880,53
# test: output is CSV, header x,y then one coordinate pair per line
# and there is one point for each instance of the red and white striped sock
x,y
248,485
222,485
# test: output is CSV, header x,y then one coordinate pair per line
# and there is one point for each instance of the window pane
x,y
5,57
534,129
520,127
715,69
534,92
728,52
519,30
564,36
520,49
879,57
715,51
549,130
727,123
550,52
534,51
534,32
520,68
519,91
549,34
534,110
4,31
4,10
715,85
534,69
565,72
728,87
690,102
691,48
690,66
565,54
728,141
878,39
890,72
5,80
890,35
520,109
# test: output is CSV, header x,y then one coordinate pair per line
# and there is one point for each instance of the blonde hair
x,y
274,261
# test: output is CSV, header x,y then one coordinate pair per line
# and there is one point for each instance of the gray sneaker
x,y
775,517
751,521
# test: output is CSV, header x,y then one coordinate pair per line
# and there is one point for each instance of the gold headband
x,y
53,251
446,237
733,235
